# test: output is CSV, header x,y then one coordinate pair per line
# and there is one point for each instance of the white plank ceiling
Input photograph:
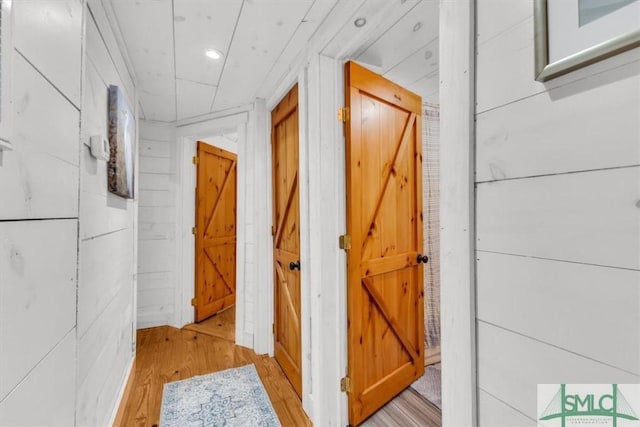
x,y
167,39
407,52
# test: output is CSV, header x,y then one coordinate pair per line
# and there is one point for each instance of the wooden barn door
x,y
384,219
286,238
215,231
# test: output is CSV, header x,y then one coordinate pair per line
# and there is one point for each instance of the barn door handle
x,y
422,258
294,265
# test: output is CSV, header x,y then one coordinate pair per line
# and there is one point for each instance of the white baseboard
x,y
123,388
244,339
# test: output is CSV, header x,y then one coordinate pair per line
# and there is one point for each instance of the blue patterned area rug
x,y
234,398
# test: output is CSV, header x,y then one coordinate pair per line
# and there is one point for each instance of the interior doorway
x,y
414,63
215,234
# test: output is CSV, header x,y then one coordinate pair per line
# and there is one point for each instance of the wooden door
x,y
385,314
215,231
286,238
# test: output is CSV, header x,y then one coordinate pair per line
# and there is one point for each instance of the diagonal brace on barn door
x,y
292,189
287,294
220,193
403,139
384,310
215,266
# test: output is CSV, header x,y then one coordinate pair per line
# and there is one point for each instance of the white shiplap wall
x,y
162,287
68,255
557,190
157,285
108,234
38,258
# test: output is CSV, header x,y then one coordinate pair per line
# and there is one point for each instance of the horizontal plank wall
x,y
67,246
25,176
107,245
558,254
38,310
157,285
39,195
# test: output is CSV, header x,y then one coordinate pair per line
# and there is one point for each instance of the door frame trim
x,y
457,213
322,220
260,137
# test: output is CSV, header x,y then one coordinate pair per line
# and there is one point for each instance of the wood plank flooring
x,y
408,409
168,354
221,325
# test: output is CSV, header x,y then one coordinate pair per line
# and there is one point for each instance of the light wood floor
x,y
168,354
408,409
222,325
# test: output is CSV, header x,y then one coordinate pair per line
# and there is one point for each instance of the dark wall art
x,y
120,173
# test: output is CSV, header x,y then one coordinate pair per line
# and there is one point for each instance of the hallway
x,y
167,354
533,248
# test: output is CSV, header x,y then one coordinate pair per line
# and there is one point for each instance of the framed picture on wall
x,y
572,34
6,55
120,173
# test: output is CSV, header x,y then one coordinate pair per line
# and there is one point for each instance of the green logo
x,y
588,405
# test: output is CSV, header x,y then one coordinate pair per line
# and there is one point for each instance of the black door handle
x,y
294,265
422,258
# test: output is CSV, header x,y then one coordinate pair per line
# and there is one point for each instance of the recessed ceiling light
x,y
360,22
417,26
428,54
179,19
213,54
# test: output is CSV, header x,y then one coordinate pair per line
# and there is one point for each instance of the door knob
x,y
422,258
294,265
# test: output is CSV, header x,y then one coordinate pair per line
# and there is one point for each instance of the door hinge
x,y
343,114
273,328
196,160
273,230
194,230
345,242
194,301
345,385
